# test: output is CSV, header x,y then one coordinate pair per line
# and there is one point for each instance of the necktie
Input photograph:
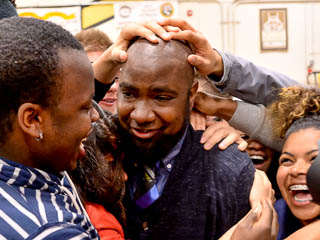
x,y
148,191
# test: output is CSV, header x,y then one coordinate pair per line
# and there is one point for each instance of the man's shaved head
x,y
165,57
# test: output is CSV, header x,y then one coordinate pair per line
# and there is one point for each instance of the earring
x,y
40,138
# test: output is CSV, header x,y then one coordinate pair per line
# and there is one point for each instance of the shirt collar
x,y
23,176
168,160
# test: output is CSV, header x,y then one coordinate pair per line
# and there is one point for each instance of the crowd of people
x,y
143,138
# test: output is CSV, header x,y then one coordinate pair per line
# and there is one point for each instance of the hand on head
x,y
147,30
205,58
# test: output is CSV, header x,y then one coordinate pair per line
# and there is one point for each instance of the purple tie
x,y
148,192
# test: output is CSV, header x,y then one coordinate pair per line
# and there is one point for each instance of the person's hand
x,y
109,63
147,30
207,103
213,105
261,190
221,130
198,120
259,224
205,59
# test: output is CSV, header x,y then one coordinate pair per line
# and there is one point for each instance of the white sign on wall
x,y
67,17
126,12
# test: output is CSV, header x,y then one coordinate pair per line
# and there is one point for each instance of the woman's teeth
x,y
301,193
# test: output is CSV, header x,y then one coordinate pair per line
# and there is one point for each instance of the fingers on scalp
x,y
171,29
134,30
187,35
182,24
157,29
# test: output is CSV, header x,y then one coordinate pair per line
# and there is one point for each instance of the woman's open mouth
x,y
300,194
258,160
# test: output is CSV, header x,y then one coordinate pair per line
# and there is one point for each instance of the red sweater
x,y
106,224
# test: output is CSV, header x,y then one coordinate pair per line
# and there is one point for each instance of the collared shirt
x,y
163,168
38,205
165,165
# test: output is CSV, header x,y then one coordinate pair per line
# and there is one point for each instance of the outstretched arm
x,y
249,82
231,74
248,118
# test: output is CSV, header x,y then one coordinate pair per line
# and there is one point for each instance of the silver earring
x,y
40,138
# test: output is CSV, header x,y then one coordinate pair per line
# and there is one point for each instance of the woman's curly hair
x,y
293,103
98,179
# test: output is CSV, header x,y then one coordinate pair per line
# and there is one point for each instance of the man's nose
x,y
143,113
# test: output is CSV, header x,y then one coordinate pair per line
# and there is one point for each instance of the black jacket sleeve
x,y
101,89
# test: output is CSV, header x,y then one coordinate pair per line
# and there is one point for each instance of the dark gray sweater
x,y
207,193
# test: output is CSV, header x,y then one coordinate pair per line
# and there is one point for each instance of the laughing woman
x,y
296,118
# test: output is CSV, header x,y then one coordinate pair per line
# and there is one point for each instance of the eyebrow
x,y
290,154
311,151
153,89
308,153
163,89
127,85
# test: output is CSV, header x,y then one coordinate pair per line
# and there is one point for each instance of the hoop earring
x,y
40,138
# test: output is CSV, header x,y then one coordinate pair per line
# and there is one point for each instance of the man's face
x,y
152,102
67,124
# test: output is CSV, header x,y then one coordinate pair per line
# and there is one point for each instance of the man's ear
x,y
193,91
30,119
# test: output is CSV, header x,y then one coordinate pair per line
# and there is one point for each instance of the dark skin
x,y
63,126
154,98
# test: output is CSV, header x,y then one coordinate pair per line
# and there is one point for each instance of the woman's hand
x,y
259,224
216,131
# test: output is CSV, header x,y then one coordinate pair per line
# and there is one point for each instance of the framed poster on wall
x,y
273,29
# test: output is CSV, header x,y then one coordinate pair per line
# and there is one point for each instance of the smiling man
x,y
47,86
176,189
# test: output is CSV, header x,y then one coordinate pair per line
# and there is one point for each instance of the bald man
x,y
175,189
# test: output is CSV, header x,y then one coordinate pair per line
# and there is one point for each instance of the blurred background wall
x,y
281,35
